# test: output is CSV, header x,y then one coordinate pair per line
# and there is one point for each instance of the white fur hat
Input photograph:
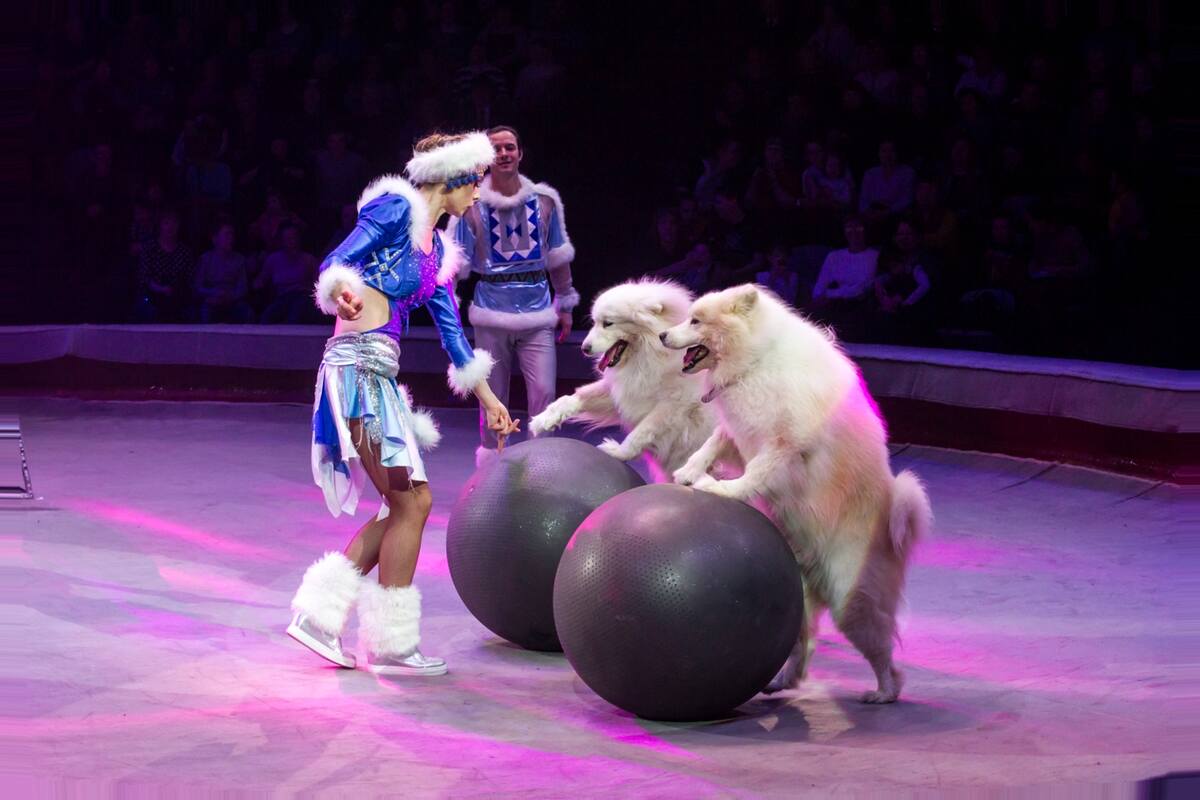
x,y
472,153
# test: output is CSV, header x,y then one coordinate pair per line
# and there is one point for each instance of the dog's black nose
x,y
662,337
587,349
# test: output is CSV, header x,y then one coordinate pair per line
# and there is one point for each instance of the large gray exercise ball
x,y
509,527
676,604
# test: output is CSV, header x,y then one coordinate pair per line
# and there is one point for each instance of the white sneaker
x,y
412,664
327,645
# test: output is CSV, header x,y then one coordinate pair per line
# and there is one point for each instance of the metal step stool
x,y
10,431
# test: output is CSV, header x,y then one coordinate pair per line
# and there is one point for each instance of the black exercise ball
x,y
509,527
676,604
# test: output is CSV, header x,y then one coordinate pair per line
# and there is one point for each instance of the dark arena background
x,y
1017,179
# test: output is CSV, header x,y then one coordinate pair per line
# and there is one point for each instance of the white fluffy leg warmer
x,y
328,591
389,618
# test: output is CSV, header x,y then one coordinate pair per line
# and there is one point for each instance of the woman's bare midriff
x,y
375,313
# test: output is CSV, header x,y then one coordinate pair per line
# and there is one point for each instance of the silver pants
x,y
535,356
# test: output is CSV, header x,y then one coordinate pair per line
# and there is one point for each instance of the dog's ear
x,y
648,315
744,299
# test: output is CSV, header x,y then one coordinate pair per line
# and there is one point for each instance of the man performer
x,y
515,239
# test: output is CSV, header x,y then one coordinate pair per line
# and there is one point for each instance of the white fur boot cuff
x,y
328,591
389,619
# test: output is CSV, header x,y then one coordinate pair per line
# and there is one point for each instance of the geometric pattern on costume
x,y
518,244
515,233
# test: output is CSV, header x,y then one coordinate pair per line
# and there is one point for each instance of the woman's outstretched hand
x,y
500,423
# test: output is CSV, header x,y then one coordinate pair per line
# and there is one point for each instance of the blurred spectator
x,y
938,225
165,270
693,221
901,289
878,77
540,83
732,233
834,184
692,270
287,276
887,188
222,280
340,175
994,303
478,68
264,231
832,41
278,169
720,172
345,227
984,76
964,188
846,274
1059,249
211,108
669,243
775,186
778,277
814,166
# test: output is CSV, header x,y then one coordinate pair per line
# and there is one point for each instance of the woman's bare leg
x,y
395,541
363,549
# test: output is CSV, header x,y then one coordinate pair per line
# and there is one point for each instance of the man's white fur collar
x,y
496,200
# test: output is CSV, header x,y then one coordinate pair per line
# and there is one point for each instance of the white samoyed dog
x,y
640,385
816,461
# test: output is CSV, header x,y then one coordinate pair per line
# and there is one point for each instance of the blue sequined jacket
x,y
381,252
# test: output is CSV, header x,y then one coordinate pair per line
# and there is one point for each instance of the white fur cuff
x,y
567,301
327,592
512,320
563,254
333,279
464,379
389,619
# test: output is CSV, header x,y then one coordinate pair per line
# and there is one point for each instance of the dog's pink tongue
x,y
607,357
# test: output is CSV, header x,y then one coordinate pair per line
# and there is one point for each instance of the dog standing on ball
x,y
640,386
815,449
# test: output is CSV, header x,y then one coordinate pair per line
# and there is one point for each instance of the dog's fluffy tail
x,y
911,518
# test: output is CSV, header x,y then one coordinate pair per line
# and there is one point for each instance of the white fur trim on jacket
x,y
328,591
560,256
567,301
492,198
389,619
552,193
333,279
453,259
511,320
464,379
425,430
475,152
419,221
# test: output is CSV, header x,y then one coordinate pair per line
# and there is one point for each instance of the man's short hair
x,y
504,129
